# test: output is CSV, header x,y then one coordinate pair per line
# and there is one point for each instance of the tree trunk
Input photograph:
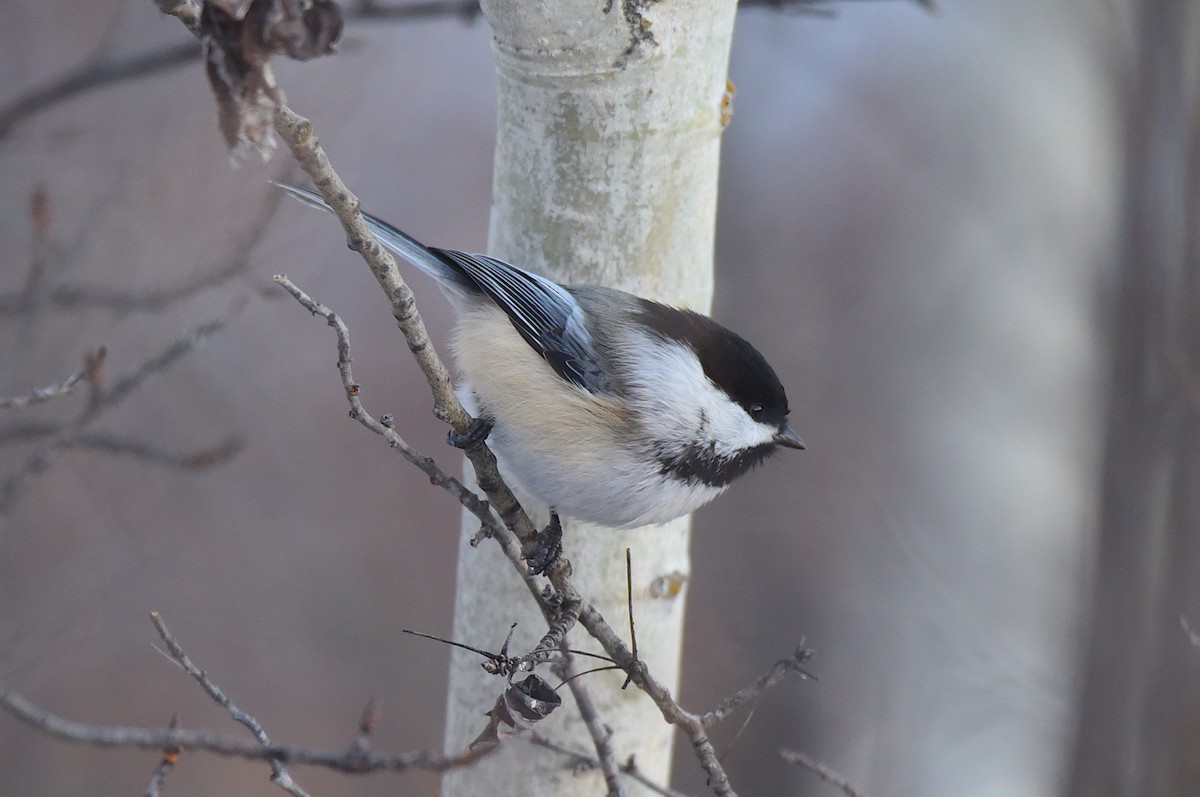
x,y
605,172
1139,720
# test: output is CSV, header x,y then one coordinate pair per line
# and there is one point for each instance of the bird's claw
x,y
473,437
548,547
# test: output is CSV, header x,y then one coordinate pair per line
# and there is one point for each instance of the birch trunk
x,y
605,172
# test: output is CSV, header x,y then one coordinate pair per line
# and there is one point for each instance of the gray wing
x,y
545,314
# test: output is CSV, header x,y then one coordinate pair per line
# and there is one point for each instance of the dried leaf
x,y
519,708
239,39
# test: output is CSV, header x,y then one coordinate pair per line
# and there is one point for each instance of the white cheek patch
x,y
672,389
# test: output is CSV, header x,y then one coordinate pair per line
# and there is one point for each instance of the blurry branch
x,y
203,459
355,759
99,73
793,665
67,436
94,75
349,761
38,395
279,775
30,300
821,771
169,758
38,294
584,761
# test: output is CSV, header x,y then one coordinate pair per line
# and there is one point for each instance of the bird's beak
x,y
787,438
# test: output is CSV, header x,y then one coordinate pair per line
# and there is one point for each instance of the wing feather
x,y
545,314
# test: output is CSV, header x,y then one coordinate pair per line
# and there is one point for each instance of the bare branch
x,y
93,75
348,761
779,670
169,759
279,774
822,771
629,768
160,774
153,300
601,734
67,437
152,454
469,500
42,394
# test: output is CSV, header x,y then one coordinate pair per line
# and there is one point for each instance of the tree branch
x,y
279,774
42,394
349,761
823,772
154,300
438,477
629,768
67,436
601,734
169,758
781,669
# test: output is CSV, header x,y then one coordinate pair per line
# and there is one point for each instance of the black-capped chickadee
x,y
607,407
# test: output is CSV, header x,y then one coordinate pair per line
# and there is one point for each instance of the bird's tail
x,y
394,240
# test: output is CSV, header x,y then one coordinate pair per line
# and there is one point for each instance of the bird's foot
x,y
472,439
547,547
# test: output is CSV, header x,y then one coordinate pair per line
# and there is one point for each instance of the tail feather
x,y
396,241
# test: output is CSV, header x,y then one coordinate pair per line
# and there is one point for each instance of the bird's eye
x,y
756,411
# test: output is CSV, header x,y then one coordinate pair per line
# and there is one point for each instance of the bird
x,y
609,408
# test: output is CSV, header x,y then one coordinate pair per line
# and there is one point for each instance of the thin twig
x,y
629,600
94,75
153,300
279,773
41,394
793,665
348,761
601,734
159,776
68,435
438,477
117,445
170,757
822,771
628,768
152,454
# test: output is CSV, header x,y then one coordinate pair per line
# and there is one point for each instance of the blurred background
x,y
966,241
